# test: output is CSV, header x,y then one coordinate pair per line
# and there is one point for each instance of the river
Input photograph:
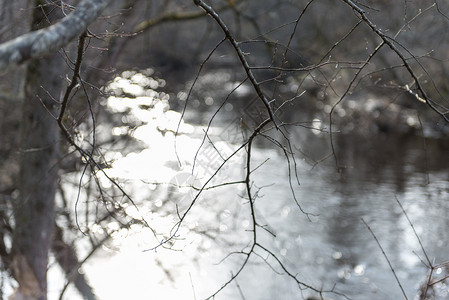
x,y
330,249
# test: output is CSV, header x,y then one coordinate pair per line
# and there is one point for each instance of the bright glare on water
x,y
333,247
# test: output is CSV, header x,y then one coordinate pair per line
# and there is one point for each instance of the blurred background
x,y
164,109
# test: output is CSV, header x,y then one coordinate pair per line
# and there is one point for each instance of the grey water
x,y
336,247
357,228
344,247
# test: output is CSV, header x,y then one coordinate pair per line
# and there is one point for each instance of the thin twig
x,y
386,258
240,54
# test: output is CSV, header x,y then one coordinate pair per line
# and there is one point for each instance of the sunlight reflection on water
x,y
161,274
334,247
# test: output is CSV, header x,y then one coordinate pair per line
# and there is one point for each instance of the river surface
x,y
330,249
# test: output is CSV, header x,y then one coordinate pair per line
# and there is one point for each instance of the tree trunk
x,y
39,155
34,208
15,20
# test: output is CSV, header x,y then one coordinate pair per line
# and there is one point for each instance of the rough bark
x,y
34,208
38,176
15,20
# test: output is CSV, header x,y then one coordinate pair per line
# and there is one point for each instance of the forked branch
x,y
211,12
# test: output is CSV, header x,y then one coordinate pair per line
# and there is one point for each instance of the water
x,y
331,249
336,247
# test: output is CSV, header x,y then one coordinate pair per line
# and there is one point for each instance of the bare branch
x,y
391,42
241,56
178,16
52,38
386,258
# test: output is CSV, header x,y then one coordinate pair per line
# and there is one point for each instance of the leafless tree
x,y
56,55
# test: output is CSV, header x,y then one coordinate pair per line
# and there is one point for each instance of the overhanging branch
x,y
211,12
41,42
